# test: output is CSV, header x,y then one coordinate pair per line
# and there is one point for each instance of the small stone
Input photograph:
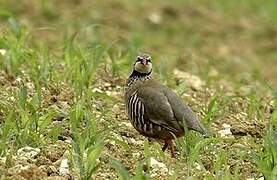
x,y
3,160
238,145
106,84
153,175
133,141
190,80
136,154
226,126
126,124
97,90
197,166
101,120
52,169
64,167
67,141
56,178
28,152
226,131
158,166
3,52
155,18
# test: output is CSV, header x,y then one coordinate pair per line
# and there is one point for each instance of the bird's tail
x,y
202,129
193,123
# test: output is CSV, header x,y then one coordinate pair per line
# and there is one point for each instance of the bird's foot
x,y
169,144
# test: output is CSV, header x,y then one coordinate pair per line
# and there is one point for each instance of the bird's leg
x,y
169,144
172,149
166,143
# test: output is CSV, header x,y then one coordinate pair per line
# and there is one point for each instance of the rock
x,y
3,52
136,155
126,124
51,170
197,166
26,172
155,18
158,167
55,151
106,84
56,178
28,152
134,142
239,145
115,136
226,131
97,90
3,160
190,80
64,167
261,178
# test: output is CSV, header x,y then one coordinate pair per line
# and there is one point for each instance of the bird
x,y
154,110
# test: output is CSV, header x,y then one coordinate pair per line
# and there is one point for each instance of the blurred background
x,y
234,39
64,63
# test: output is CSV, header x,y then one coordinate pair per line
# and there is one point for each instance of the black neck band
x,y
138,74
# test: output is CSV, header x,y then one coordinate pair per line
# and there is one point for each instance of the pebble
x,y
64,167
3,52
261,178
197,166
191,80
97,90
28,152
155,18
158,167
226,131
126,124
133,141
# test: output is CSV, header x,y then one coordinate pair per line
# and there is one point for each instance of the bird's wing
x,y
182,112
157,108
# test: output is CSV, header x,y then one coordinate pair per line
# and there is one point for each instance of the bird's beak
x,y
144,62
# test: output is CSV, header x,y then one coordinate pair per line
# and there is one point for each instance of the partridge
x,y
154,110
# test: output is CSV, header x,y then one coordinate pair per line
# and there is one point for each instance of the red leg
x,y
169,144
165,145
172,149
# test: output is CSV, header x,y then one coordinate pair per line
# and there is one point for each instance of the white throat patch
x,y
143,68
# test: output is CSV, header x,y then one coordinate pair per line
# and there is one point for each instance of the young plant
x,y
87,142
125,175
266,157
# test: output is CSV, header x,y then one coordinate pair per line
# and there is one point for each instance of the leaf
x,y
274,172
147,152
22,96
221,158
46,120
121,143
92,157
120,169
8,125
139,174
195,151
15,27
212,108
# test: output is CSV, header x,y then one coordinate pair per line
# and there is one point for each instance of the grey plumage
x,y
156,111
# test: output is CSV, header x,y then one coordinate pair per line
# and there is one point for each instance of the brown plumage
x,y
154,110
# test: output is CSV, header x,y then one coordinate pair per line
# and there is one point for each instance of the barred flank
x,y
135,111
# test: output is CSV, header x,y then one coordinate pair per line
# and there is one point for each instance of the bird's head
x,y
143,64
